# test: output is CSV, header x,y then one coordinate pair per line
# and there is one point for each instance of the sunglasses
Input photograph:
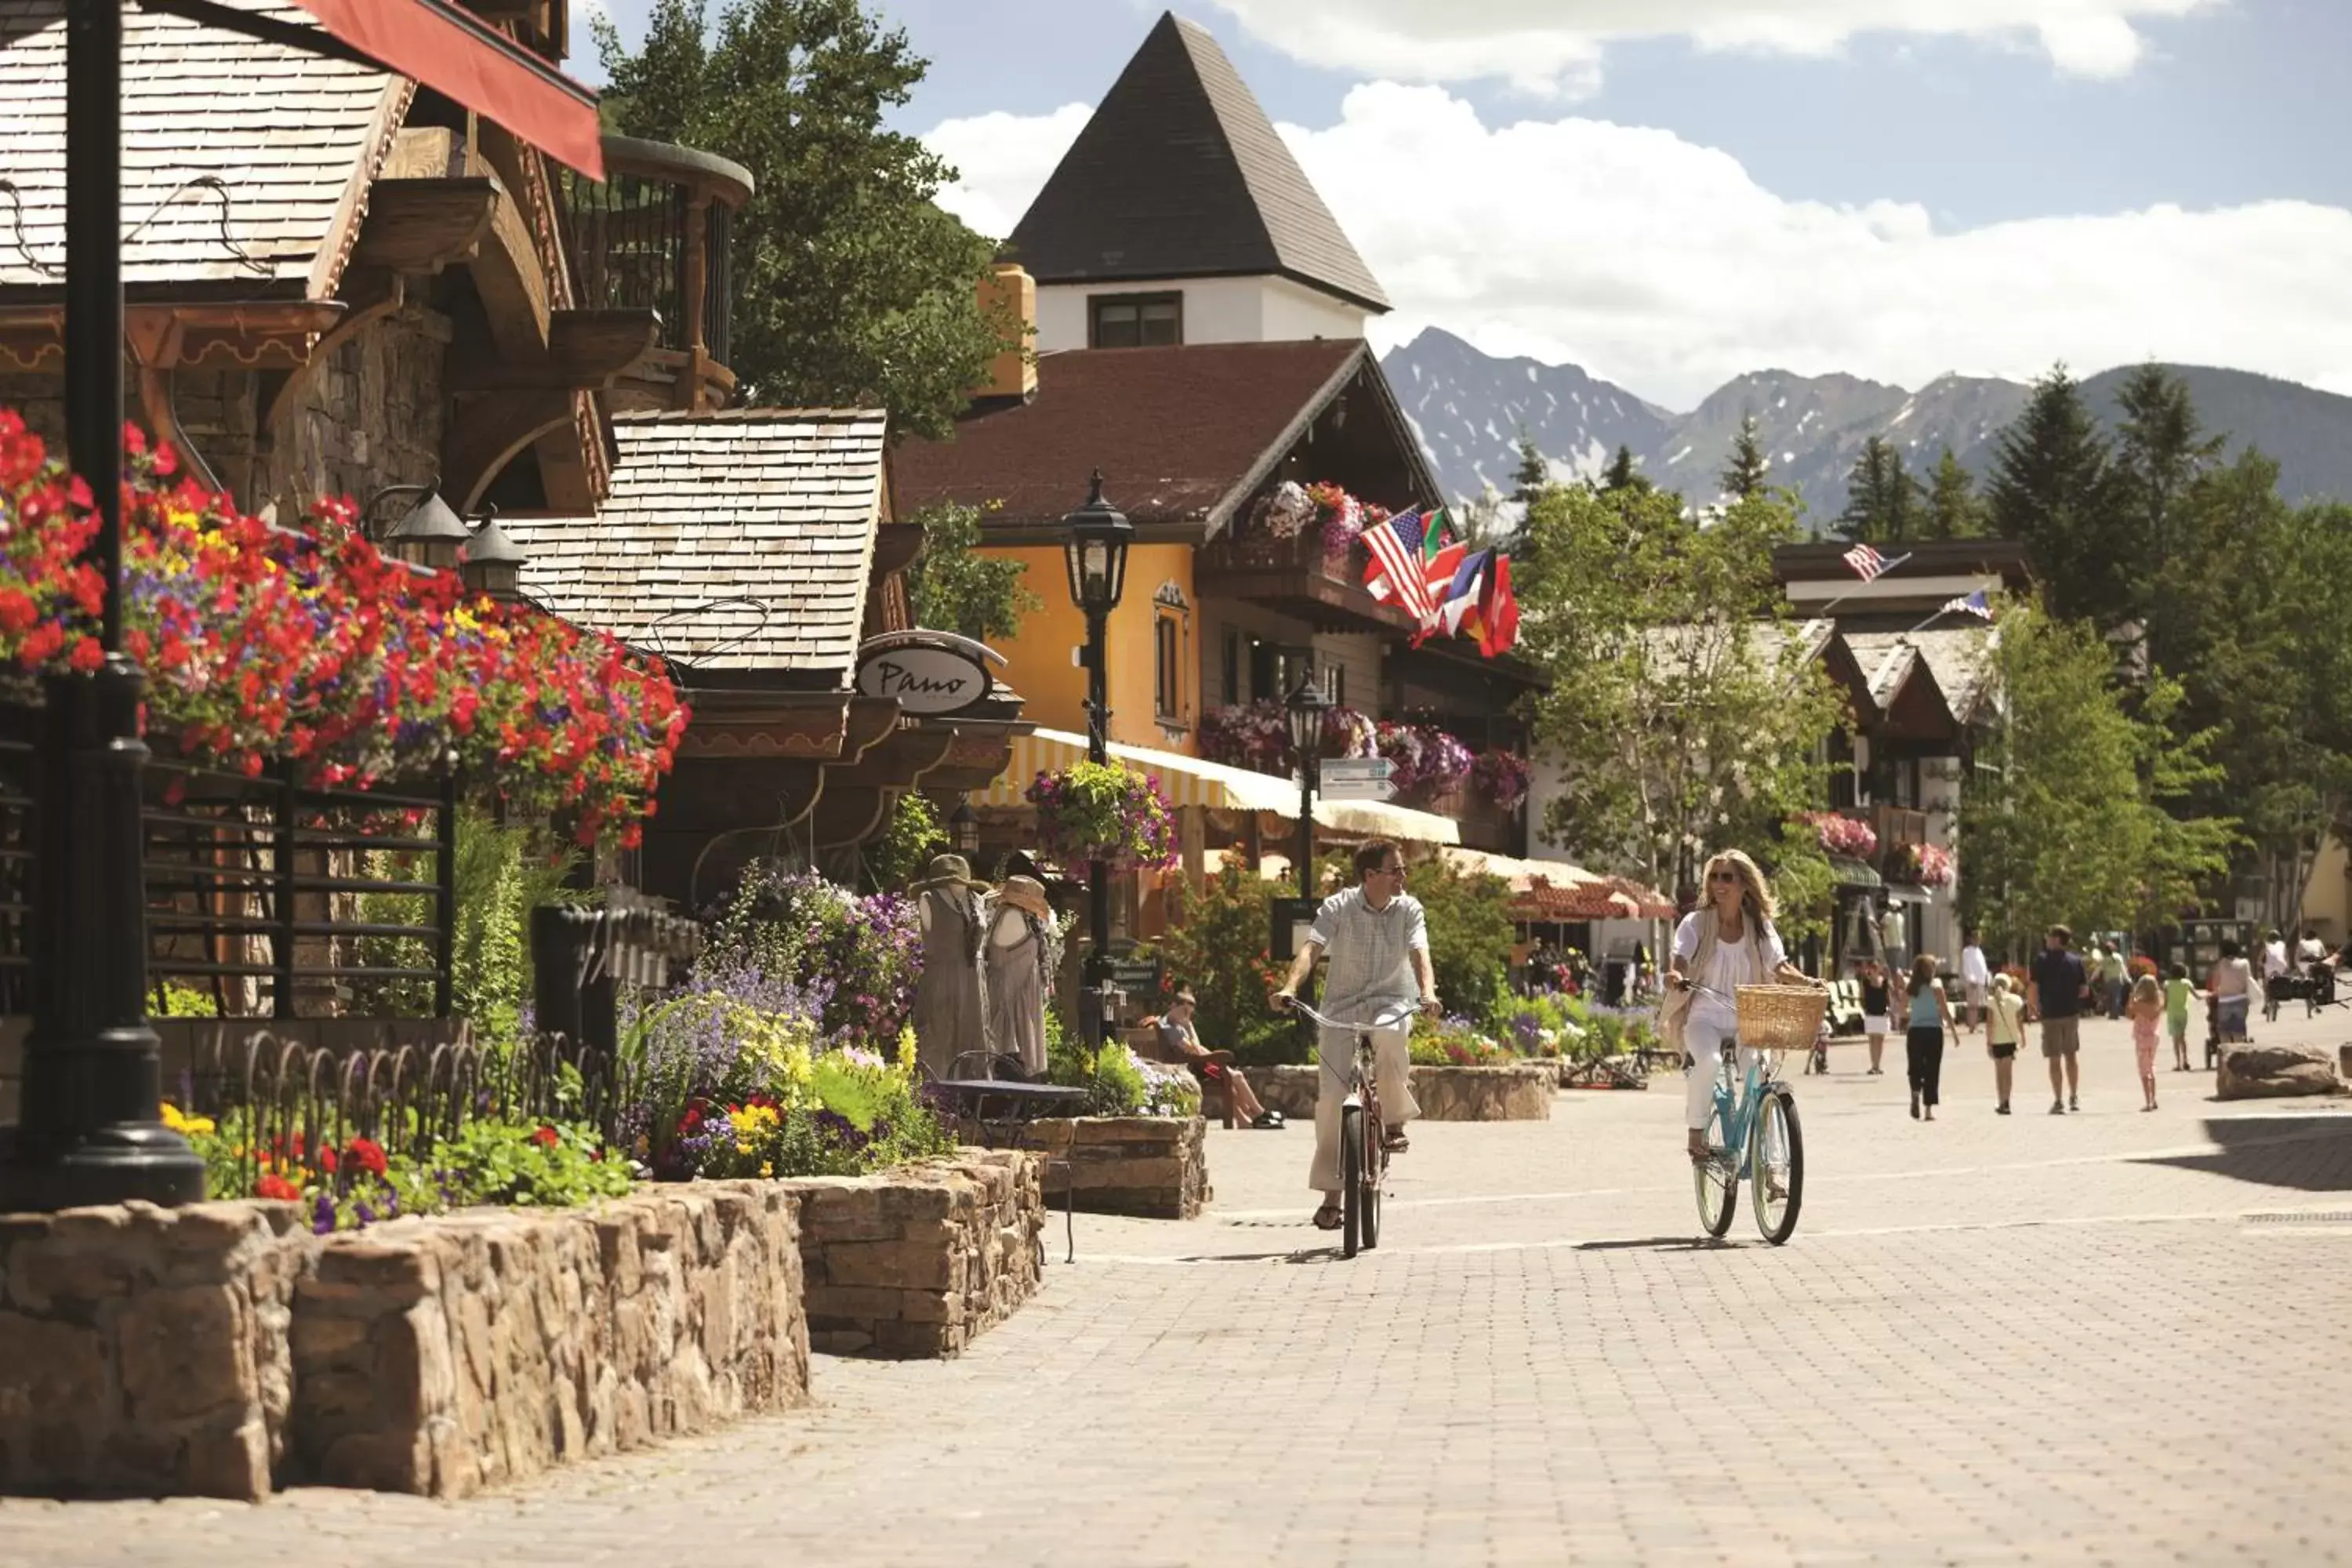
x,y
1723,876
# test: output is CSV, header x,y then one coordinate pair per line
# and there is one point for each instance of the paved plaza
x,y
2112,1338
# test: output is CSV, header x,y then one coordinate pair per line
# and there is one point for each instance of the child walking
x,y
1930,1015
2178,992
2004,1028
2146,1008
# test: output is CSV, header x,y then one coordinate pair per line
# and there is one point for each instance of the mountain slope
x,y
1469,409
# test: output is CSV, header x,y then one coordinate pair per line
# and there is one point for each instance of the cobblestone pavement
x,y
2105,1338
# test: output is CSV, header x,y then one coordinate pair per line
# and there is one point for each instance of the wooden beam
x,y
585,349
424,224
487,434
514,287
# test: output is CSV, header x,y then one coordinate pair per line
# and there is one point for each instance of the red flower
x,y
86,655
367,1155
276,1186
546,1137
328,1161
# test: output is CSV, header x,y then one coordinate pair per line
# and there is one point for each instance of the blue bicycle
x,y
1753,1132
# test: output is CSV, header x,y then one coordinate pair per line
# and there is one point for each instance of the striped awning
x,y
1193,781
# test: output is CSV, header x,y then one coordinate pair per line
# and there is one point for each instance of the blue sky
x,y
2022,162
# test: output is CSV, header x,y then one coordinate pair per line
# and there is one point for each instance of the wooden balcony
x,y
1297,577
1484,826
1896,826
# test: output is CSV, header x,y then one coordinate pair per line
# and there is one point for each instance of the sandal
x,y
1328,1218
1396,1144
1268,1122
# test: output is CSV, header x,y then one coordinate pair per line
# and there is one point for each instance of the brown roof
x,y
738,541
1181,434
291,138
1180,175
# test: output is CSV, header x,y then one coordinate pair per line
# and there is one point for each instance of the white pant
x,y
1703,1041
1392,1068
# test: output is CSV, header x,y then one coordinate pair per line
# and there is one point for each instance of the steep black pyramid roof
x,y
1181,174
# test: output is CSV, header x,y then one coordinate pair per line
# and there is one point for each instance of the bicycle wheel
x,y
1716,1182
1376,1165
1352,1178
1777,1165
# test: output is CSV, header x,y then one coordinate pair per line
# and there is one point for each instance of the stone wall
x,y
1153,1166
1520,1092
921,1260
2267,1071
220,1349
372,415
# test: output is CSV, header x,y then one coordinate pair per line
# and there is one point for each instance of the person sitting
x,y
1182,1042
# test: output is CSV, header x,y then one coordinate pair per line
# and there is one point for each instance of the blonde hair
x,y
2146,989
2000,984
1756,893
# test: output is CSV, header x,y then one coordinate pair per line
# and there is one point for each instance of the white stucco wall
x,y
1217,310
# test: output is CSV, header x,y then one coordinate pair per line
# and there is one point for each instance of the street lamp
x,y
1305,709
431,536
963,827
91,1129
494,561
1096,554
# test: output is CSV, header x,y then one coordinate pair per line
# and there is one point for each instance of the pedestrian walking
x,y
1895,939
2275,971
2004,1032
2231,983
1876,988
2147,1006
2115,979
2178,992
1976,979
1930,1015
2056,992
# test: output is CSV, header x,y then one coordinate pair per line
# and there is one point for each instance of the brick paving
x,y
2107,1338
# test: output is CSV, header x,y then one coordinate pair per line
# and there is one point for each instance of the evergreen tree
x,y
1882,500
1954,510
2052,489
2160,448
852,287
1743,476
1621,474
1533,476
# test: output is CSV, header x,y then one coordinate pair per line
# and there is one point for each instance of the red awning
x,y
455,54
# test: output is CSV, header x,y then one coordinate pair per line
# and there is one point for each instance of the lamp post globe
x,y
963,827
430,535
1304,709
1095,551
494,562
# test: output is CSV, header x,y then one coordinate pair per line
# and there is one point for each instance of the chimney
x,y
1009,293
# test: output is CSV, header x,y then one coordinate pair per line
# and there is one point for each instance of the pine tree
x,y
1533,476
1622,475
1743,476
1882,500
2052,488
2160,448
1954,510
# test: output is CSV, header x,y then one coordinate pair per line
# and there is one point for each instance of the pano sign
x,y
929,677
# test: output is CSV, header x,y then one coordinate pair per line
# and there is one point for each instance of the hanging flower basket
x,y
1104,811
1502,777
1425,762
1846,836
1928,865
1256,735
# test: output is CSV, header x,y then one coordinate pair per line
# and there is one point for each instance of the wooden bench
x,y
1217,1094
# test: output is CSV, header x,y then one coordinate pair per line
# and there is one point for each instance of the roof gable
x,y
243,161
741,541
1181,174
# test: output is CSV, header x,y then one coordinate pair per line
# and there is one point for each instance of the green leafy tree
x,y
1954,509
1744,476
852,287
955,588
2066,819
1685,710
906,844
1470,936
2052,489
1882,500
1216,945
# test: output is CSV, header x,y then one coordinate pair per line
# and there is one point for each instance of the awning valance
x,y
1852,873
1194,780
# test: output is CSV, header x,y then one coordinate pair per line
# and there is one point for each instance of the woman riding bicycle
x,y
1727,942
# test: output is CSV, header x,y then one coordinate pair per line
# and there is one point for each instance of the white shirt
x,y
2310,950
2273,960
1732,965
1973,969
1370,952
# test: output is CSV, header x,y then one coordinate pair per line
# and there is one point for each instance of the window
x,y
1231,689
1134,321
1167,684
1335,684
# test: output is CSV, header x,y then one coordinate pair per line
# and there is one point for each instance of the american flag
x,y
1867,563
1974,604
1394,575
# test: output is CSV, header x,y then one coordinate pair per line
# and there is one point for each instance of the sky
x,y
1671,193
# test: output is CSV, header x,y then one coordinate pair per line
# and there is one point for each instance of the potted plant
x,y
1104,811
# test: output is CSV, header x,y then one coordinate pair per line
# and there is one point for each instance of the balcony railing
x,y
657,236
1895,826
1296,573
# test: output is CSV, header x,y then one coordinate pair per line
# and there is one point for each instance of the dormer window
x,y
1134,321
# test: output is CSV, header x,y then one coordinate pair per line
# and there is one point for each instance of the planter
x,y
1154,1167
918,1261
1520,1092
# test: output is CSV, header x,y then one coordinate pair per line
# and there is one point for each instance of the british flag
x,y
1394,575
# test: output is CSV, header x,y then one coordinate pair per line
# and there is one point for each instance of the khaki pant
x,y
1393,1077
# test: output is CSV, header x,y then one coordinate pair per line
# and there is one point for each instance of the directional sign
x,y
1357,789
1356,770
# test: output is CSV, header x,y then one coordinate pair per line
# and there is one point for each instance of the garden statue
x,y
1019,954
950,1014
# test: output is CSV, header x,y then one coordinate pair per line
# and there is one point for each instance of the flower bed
x,y
265,642
1148,1166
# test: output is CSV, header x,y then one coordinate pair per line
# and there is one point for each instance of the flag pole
x,y
1886,571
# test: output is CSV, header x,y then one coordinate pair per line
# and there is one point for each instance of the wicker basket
x,y
1780,1017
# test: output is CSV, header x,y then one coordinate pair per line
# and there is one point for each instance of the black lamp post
x,y
1305,708
963,827
494,561
91,1128
1096,554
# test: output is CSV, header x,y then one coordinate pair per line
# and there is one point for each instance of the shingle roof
x,y
1180,175
293,137
734,540
1957,658
1176,431
1886,659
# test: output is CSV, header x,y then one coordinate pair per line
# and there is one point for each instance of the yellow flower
x,y
767,1167
742,1148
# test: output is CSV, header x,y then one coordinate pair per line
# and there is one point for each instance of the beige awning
x,y
1522,874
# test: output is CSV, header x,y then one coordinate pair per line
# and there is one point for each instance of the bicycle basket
x,y
1780,1018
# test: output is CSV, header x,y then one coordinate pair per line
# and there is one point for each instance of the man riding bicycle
x,y
1379,943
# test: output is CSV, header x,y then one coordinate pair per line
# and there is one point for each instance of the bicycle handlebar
x,y
1312,1016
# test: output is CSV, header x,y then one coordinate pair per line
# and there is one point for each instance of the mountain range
x,y
1469,409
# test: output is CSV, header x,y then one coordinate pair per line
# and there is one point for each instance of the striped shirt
x,y
1370,952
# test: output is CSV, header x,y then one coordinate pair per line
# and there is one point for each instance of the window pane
x,y
1160,323
1116,326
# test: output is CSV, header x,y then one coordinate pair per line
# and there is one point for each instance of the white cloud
x,y
1556,45
1662,266
1003,160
